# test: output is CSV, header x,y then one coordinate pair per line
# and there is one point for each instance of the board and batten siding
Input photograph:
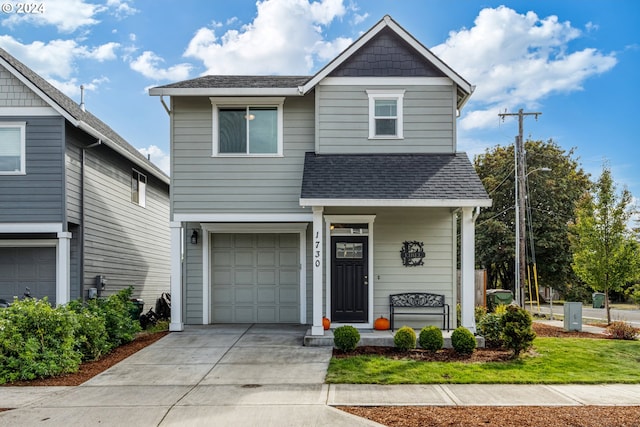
x,y
205,184
127,243
193,298
343,120
37,196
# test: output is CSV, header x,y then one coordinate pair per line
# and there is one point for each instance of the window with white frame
x,y
12,148
138,188
247,126
385,114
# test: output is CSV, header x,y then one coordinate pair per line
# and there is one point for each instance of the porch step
x,y
374,338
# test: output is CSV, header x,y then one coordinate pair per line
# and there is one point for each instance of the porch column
x,y
318,251
176,278
467,269
63,268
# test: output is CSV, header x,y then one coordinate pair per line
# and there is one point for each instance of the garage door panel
x,y
288,295
262,272
266,277
267,296
33,267
288,258
266,258
289,277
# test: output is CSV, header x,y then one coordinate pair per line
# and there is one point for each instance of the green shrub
x,y
620,330
92,339
405,338
116,310
36,341
490,327
346,338
479,312
517,333
430,338
463,341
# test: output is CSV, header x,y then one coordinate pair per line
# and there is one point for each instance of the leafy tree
x,y
605,249
552,196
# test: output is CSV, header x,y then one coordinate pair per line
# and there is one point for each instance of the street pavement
x,y
590,314
255,375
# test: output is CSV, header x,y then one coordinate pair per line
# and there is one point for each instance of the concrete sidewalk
x,y
255,375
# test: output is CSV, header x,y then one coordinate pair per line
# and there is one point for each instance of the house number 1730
x,y
316,250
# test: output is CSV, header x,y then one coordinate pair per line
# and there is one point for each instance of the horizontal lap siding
x,y
38,195
343,120
127,243
205,184
434,228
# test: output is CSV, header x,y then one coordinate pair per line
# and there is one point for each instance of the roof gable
x,y
386,54
464,88
77,116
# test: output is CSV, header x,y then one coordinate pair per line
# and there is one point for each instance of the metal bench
x,y
419,300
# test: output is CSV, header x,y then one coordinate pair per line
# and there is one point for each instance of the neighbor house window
x,y
385,114
138,188
12,148
247,127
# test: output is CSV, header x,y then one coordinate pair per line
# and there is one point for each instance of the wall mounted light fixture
x,y
194,237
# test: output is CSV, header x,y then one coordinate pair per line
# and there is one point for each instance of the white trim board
x,y
31,227
242,217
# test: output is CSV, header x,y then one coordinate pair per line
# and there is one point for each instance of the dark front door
x,y
349,280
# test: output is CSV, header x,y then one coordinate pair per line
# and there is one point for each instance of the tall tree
x,y
552,196
605,249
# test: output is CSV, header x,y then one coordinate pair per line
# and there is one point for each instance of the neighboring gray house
x,y
76,200
293,196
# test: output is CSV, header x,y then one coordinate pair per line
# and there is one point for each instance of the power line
x,y
520,203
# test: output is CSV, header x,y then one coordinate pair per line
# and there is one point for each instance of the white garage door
x,y
24,267
255,278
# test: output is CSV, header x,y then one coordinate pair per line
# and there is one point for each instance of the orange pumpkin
x,y
326,323
381,324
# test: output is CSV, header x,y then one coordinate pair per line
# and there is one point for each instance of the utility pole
x,y
520,257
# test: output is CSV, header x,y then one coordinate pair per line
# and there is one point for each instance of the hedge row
x,y
37,340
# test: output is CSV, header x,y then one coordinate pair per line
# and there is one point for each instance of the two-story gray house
x,y
298,197
81,211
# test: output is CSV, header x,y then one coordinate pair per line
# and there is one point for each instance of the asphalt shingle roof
x,y
236,82
391,176
74,110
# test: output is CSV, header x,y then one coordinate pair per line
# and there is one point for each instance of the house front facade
x,y
298,197
82,212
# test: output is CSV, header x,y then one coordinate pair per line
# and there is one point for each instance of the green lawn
x,y
552,361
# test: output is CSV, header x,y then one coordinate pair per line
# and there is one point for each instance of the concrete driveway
x,y
241,375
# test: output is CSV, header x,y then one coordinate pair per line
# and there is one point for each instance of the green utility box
x,y
598,299
496,297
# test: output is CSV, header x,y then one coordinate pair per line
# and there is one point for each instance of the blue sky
x,y
576,61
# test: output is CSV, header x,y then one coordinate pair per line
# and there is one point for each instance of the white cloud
x,y
66,15
282,33
517,60
56,57
148,63
56,61
158,157
122,8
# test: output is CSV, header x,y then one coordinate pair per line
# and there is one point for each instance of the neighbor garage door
x,y
255,278
34,268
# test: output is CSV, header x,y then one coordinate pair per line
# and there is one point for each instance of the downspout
x,y
83,216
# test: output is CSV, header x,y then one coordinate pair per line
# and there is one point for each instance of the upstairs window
x,y
12,148
138,188
385,114
247,127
